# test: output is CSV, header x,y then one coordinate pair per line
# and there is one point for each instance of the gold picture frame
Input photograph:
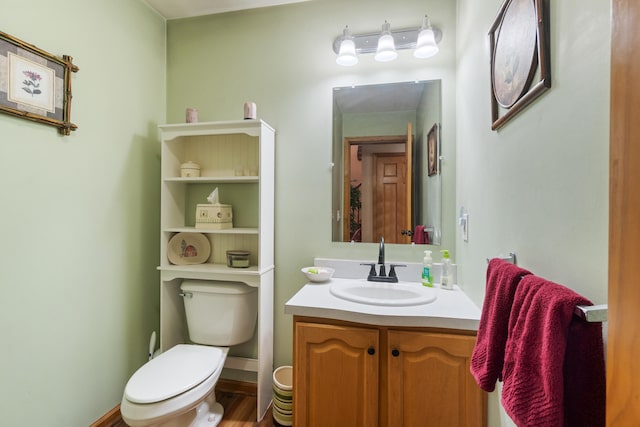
x,y
35,85
519,44
433,151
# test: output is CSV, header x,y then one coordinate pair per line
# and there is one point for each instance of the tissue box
x,y
214,216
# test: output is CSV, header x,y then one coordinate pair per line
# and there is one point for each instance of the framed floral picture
x,y
34,84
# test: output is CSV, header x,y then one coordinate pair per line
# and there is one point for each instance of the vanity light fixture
x,y
385,44
386,50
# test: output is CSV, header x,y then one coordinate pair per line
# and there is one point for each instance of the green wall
x,y
538,186
81,212
368,124
282,59
80,216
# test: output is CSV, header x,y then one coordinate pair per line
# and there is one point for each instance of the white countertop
x,y
452,309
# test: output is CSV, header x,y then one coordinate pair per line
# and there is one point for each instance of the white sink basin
x,y
385,294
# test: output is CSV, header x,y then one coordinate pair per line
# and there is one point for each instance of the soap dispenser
x,y
446,282
427,263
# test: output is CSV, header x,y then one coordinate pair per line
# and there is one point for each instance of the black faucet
x,y
381,276
381,257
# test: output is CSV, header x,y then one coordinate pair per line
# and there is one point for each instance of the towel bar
x,y
592,313
588,313
509,258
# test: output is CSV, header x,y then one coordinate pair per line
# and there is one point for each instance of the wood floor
x,y
238,399
240,411
240,405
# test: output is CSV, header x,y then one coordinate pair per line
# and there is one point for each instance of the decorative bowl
x,y
318,274
282,405
283,378
283,420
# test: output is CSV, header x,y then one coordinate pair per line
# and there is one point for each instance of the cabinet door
x,y
335,376
429,382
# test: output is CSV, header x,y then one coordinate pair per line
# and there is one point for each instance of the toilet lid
x,y
173,372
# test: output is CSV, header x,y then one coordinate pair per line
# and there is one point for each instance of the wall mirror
x,y
387,170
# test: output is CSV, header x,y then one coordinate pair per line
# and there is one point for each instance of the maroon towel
x,y
488,354
554,372
418,235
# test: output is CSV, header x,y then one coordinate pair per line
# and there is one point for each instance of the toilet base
x,y
207,414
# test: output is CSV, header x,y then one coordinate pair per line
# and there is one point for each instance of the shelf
x,y
250,231
214,179
249,127
250,275
210,269
238,159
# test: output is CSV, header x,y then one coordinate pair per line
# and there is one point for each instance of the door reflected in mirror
x,y
385,180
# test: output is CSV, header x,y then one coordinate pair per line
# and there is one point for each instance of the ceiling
x,y
175,9
379,98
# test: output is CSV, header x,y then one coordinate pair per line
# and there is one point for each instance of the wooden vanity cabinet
x,y
348,374
428,382
335,379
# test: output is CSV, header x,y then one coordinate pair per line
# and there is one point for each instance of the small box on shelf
x,y
214,216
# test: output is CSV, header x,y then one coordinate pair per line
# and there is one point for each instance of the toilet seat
x,y
202,366
172,373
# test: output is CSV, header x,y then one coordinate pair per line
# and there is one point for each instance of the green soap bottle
x,y
427,263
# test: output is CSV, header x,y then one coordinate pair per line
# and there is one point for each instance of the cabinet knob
x,y
371,351
395,352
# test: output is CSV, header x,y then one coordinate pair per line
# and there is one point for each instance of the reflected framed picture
x,y
433,155
34,84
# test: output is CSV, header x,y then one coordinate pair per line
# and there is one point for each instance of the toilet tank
x,y
219,313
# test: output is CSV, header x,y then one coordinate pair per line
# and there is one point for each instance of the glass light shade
x,y
347,54
386,46
426,46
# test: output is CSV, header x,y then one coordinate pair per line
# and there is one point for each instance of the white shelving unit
x,y
237,157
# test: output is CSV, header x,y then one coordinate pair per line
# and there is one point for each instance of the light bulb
x,y
347,52
426,46
386,45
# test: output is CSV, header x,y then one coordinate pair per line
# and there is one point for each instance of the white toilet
x,y
176,389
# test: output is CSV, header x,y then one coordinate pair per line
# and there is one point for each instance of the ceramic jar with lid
x,y
238,258
189,170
